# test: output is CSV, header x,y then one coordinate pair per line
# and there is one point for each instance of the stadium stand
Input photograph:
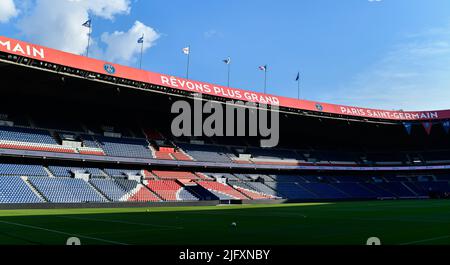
x,y
287,178
416,189
170,190
174,175
435,186
110,189
65,190
127,147
381,192
323,190
59,171
355,190
19,134
221,175
15,190
22,170
398,188
112,172
185,195
206,152
260,187
290,190
181,156
136,192
163,155
249,191
222,191
113,185
55,147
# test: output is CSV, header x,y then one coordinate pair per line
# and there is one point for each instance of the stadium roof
x,y
45,54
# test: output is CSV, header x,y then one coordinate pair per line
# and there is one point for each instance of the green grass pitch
x,y
344,223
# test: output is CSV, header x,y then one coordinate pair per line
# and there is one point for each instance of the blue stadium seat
x,y
381,192
221,196
126,184
185,195
287,178
398,188
435,186
356,190
109,188
273,154
324,190
21,134
207,153
221,175
15,190
22,170
258,186
291,190
125,147
67,171
121,172
66,190
89,141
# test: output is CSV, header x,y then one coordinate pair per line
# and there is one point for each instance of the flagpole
x,y
298,87
142,50
188,61
228,79
89,38
265,80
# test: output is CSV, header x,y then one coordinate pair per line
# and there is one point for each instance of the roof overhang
x,y
109,72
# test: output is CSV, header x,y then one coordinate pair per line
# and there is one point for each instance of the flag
x,y
186,50
298,76
427,125
446,125
408,127
87,24
141,40
227,60
263,67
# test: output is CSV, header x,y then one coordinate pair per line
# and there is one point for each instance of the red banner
x,y
76,61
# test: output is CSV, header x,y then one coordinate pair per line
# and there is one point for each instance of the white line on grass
x,y
167,227
408,219
124,232
425,240
63,233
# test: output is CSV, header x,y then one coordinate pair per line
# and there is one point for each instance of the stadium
x,y
74,164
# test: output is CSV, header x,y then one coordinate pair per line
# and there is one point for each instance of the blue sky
x,y
392,54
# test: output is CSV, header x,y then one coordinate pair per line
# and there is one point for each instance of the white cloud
x,y
105,8
122,46
414,75
58,24
8,10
